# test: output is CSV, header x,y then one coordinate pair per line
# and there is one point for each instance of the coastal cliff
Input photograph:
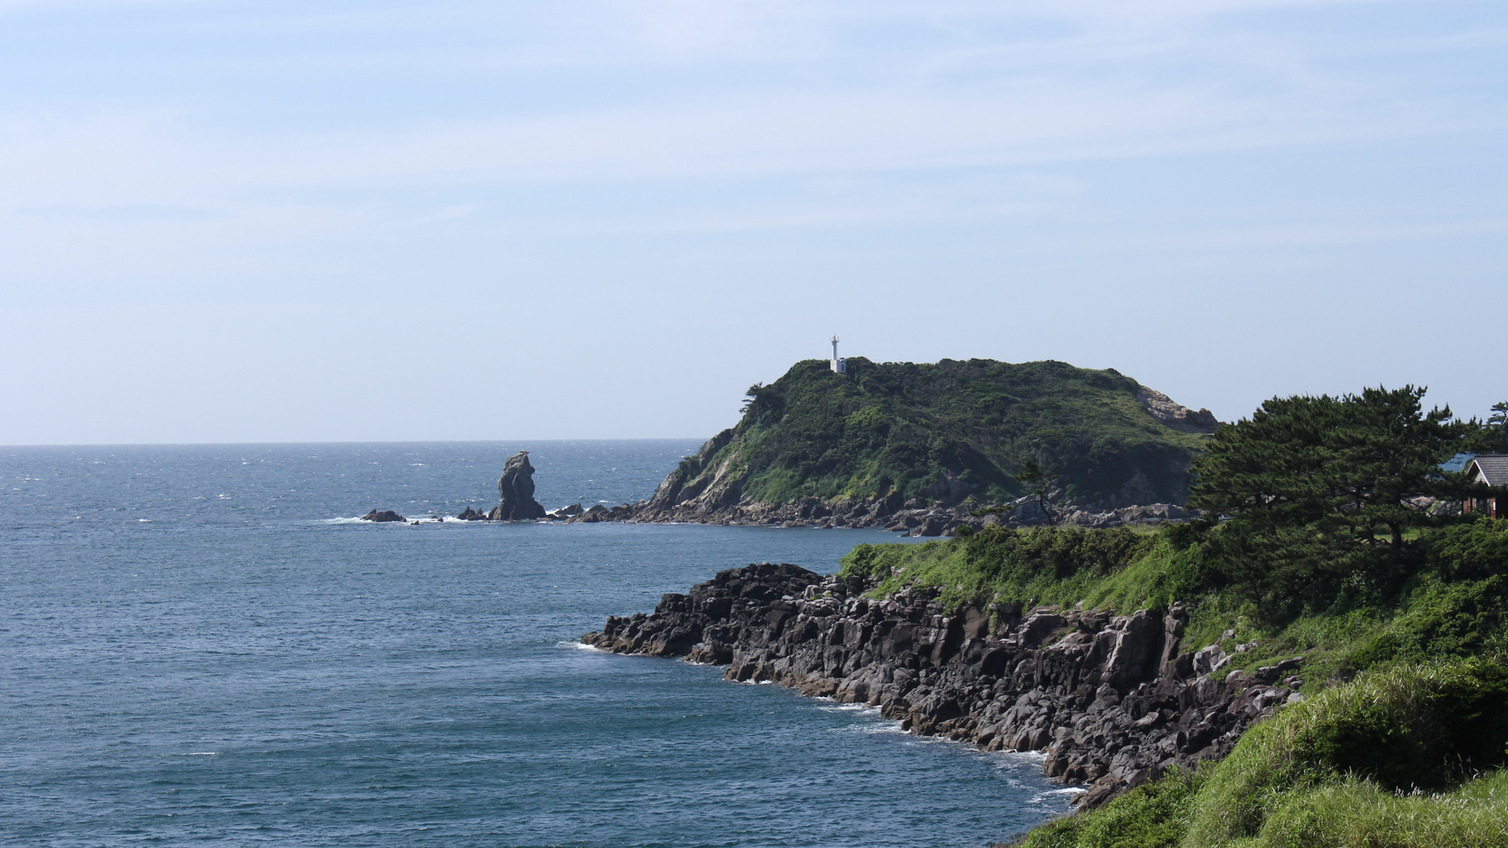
x,y
1400,738
900,445
1114,701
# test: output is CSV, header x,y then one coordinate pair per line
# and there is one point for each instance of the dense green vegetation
x,y
1297,567
1319,492
1320,539
1452,602
1408,756
948,431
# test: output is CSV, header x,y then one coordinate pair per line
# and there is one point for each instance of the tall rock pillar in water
x,y
516,487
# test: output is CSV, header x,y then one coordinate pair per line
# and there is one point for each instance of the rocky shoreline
x,y
913,517
720,500
1113,700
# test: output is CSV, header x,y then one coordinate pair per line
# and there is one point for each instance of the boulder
x,y
594,514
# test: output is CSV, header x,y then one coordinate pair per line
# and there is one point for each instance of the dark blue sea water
x,y
198,645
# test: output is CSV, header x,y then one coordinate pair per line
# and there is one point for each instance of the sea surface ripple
x,y
199,646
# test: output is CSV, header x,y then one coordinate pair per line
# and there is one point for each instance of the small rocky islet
x,y
515,488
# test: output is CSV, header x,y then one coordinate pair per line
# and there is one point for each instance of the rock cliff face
x,y
1112,700
913,517
1176,415
516,487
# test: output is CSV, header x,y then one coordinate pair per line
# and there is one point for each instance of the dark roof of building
x,y
1493,466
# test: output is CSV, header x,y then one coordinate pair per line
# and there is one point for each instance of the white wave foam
x,y
1056,795
417,519
1031,757
887,727
581,646
834,707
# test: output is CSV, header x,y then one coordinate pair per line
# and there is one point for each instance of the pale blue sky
x,y
271,221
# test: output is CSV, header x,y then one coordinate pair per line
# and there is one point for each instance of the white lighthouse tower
x,y
840,365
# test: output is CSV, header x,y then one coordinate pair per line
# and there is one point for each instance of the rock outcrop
x,y
383,516
516,488
1176,415
912,517
1112,700
565,512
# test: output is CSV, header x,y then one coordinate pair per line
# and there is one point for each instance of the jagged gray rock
x,y
382,516
516,488
913,518
1113,700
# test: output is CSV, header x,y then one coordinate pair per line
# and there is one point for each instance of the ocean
x,y
201,645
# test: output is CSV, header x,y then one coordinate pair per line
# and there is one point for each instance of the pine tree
x,y
1316,490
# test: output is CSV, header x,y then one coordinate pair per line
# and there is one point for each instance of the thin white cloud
x,y
990,86
120,158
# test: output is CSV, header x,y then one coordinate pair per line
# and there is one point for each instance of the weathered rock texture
x,y
1176,415
912,517
1113,700
516,487
383,515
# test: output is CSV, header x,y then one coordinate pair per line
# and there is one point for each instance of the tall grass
x,y
1410,757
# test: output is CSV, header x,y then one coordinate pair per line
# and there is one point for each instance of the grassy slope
x,y
1405,653
1453,603
1409,757
947,431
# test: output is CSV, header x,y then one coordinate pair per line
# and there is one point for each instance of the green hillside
x,y
948,432
1330,533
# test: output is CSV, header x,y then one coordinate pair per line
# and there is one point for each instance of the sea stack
x,y
516,487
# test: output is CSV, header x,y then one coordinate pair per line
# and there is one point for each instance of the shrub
x,y
1401,729
1154,815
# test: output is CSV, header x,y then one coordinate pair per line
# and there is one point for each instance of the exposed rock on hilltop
x,y
1175,415
516,488
885,438
1112,700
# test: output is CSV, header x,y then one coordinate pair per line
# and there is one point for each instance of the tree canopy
x,y
1318,490
1497,425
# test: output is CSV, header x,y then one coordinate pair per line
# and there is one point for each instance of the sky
x,y
451,220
